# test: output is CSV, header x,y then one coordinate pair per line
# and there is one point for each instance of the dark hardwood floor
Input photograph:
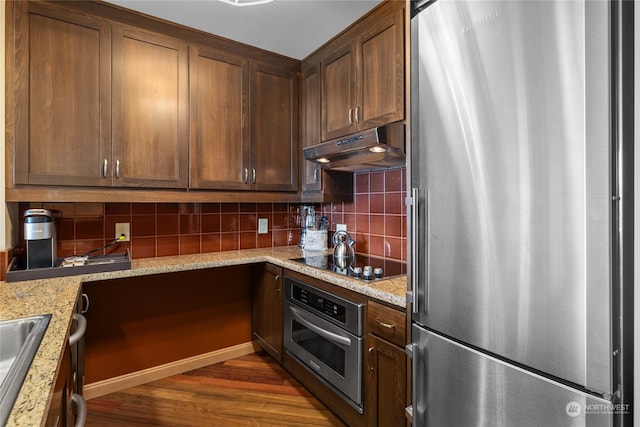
x,y
251,390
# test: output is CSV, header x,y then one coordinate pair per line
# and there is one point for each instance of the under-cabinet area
x,y
140,323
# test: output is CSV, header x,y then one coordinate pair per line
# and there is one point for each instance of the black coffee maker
x,y
40,238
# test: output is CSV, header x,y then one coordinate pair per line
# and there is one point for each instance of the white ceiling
x,y
293,28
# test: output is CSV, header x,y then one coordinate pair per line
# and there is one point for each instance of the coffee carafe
x,y
307,217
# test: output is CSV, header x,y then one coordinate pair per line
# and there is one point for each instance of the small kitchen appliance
x,y
307,218
40,238
324,333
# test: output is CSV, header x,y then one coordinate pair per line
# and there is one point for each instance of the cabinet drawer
x,y
386,323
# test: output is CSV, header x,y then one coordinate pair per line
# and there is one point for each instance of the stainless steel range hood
x,y
377,148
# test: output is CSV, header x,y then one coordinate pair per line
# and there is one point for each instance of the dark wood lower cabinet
x,y
385,380
385,366
60,408
267,293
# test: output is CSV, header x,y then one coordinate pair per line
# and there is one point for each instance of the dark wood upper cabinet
x,y
150,109
274,133
363,74
382,66
61,87
98,104
339,92
219,115
318,185
102,97
244,123
310,120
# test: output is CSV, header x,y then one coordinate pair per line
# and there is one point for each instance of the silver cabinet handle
x,y
357,115
245,175
85,303
316,174
277,280
253,176
104,168
117,168
82,327
81,409
330,336
350,116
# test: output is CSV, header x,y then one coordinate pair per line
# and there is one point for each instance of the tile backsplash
x,y
375,218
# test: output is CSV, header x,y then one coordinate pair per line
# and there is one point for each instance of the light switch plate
x,y
263,225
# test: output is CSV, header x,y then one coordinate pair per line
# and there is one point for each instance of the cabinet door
x,y
267,310
59,414
150,129
274,133
311,126
339,92
219,155
62,97
386,370
382,85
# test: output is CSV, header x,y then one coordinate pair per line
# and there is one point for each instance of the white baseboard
x,y
112,385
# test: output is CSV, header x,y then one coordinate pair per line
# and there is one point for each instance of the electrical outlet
x,y
263,225
122,229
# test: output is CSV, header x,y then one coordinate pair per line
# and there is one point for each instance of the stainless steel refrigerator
x,y
519,175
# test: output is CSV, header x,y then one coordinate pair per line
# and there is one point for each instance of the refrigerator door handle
x,y
409,350
414,251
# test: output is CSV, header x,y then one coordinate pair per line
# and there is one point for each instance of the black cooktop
x,y
363,266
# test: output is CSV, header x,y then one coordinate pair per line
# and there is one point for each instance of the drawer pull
x,y
385,325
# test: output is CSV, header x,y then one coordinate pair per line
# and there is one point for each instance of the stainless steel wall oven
x,y
323,332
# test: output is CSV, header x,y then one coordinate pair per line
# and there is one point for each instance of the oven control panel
x,y
319,303
342,312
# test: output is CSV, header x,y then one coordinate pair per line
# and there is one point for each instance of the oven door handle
x,y
335,338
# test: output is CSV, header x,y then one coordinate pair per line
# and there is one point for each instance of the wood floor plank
x,y
250,390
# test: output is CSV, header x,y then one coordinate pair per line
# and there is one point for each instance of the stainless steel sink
x,y
19,342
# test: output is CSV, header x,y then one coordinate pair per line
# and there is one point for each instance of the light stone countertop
x,y
58,296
